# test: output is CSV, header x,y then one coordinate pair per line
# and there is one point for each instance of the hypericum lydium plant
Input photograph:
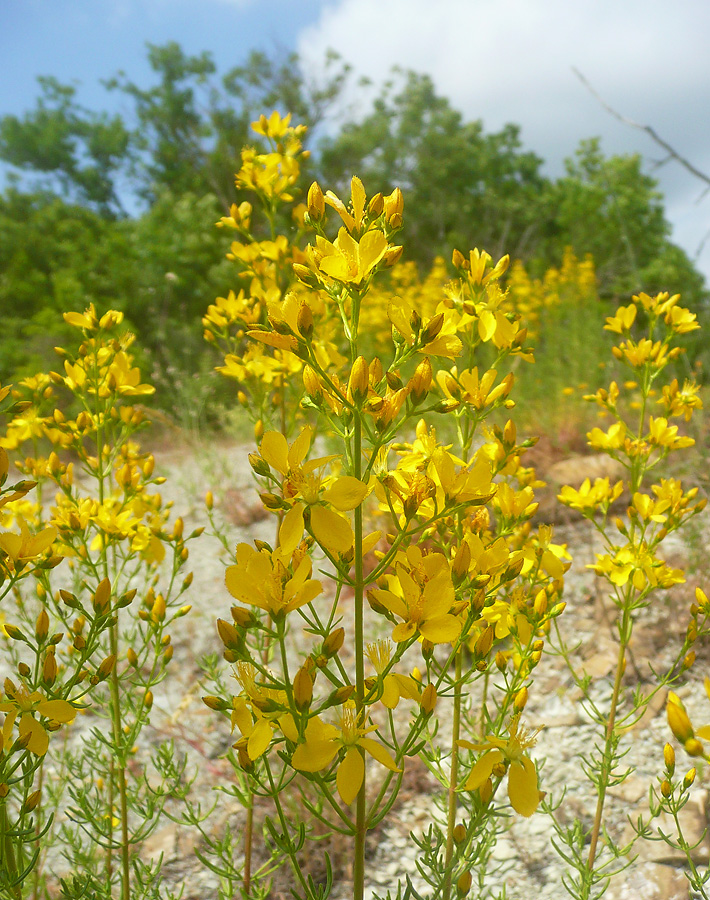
x,y
417,605
112,530
641,438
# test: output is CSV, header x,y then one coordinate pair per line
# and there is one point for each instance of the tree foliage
x,y
119,210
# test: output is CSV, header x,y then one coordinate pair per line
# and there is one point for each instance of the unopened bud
x,y
42,626
359,380
102,597
106,667
669,758
333,642
429,698
689,778
32,801
228,634
315,202
302,689
463,885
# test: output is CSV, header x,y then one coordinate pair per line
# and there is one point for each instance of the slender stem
x,y
361,825
452,804
9,862
120,769
248,836
605,772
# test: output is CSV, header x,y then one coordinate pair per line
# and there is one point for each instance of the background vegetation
x,y
119,209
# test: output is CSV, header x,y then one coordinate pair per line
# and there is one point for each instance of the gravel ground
x,y
530,865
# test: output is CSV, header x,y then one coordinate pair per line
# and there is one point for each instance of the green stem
x,y
119,768
452,804
606,766
360,820
9,862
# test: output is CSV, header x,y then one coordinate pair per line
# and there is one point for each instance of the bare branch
x,y
672,153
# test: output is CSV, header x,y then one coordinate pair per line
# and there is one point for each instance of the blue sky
x,y
498,60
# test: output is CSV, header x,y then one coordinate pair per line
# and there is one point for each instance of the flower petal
x,y
522,786
351,772
331,530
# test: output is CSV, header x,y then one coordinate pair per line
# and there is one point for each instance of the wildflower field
x,y
417,659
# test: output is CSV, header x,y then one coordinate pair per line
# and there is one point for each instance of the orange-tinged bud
x,y
148,699
689,778
501,661
243,617
459,833
689,659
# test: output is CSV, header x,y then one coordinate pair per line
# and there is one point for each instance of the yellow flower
x,y
21,703
522,777
303,486
422,599
26,545
265,579
348,260
324,741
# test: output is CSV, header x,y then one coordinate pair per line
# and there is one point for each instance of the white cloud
x,y
511,61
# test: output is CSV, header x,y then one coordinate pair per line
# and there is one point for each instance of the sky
x,y
496,60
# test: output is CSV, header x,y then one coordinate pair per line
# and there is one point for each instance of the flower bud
x,y
669,758
302,689
463,885
376,205
666,788
333,643
458,260
216,703
49,669
229,635
521,698
304,321
429,698
32,801
102,597
678,719
106,667
359,380
689,778
393,208
315,202
459,833
420,382
42,626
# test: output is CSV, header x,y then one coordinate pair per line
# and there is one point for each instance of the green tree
x,y
463,187
82,151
